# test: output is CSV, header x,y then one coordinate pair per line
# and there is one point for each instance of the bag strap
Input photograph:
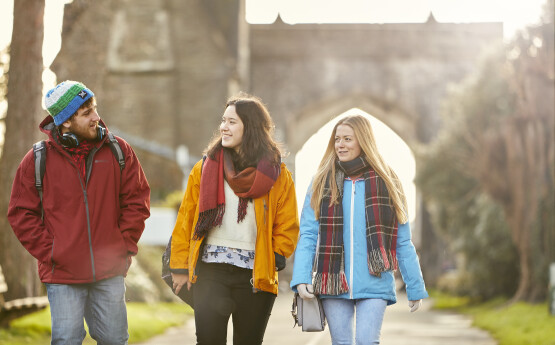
x,y
203,159
39,152
116,150
294,310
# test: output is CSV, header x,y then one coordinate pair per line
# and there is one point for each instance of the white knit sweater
x,y
232,234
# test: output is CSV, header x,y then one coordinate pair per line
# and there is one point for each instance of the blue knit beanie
x,y
65,99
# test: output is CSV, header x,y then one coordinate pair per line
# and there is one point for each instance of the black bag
x,y
185,294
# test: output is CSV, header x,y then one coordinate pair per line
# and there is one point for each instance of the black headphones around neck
x,y
70,140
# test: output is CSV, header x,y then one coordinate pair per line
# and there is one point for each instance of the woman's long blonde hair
x,y
365,137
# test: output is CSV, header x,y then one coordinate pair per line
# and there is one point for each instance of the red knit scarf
x,y
381,230
79,155
247,184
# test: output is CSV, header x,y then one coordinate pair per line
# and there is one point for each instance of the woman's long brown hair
x,y
258,141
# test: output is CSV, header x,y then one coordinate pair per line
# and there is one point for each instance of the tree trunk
x,y
525,278
24,110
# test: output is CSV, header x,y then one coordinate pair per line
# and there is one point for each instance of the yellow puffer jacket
x,y
276,220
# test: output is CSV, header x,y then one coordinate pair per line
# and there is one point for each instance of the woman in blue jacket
x,y
354,233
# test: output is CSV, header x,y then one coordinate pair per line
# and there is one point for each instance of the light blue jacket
x,y
361,283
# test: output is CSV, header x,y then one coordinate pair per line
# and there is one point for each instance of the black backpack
x,y
185,294
39,151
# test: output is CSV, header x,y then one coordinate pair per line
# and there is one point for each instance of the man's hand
x,y
179,280
306,291
414,305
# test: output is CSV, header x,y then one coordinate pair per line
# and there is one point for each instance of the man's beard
x,y
88,133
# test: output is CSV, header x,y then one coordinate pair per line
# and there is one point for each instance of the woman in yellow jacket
x,y
235,227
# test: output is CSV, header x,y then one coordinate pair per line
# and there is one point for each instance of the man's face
x,y
84,123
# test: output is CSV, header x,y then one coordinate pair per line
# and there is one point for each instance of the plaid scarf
x,y
247,184
381,230
79,155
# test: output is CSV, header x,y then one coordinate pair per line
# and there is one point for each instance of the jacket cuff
x,y
416,295
132,248
179,271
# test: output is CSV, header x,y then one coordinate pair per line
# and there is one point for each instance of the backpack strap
x,y
39,152
116,150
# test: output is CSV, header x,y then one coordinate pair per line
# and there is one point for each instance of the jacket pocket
x,y
123,243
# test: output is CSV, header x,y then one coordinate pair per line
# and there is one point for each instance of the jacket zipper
x,y
88,169
88,165
351,270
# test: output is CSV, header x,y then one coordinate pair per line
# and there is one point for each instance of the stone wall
x,y
399,73
162,70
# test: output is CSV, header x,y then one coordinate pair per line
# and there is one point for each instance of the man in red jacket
x,y
85,231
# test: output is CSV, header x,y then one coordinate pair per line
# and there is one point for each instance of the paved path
x,y
425,327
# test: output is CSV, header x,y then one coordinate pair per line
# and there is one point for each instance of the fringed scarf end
x,y
207,220
242,210
379,262
330,284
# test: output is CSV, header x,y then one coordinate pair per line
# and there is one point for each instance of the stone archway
x,y
318,115
307,121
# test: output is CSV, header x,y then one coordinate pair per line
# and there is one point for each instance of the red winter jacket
x,y
90,227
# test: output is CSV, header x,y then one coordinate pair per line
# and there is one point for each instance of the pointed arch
x,y
393,148
306,122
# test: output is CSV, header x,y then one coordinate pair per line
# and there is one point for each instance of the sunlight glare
x,y
513,14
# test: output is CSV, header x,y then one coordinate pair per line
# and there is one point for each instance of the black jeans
x,y
222,290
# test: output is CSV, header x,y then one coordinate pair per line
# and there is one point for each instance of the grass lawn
x,y
145,321
517,324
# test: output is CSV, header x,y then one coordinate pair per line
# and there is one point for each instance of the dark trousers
x,y
222,291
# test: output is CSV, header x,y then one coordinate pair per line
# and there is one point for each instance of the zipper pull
x,y
265,209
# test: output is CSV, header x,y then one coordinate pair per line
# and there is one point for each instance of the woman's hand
x,y
306,291
179,280
414,305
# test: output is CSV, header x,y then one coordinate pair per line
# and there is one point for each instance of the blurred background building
x,y
162,71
